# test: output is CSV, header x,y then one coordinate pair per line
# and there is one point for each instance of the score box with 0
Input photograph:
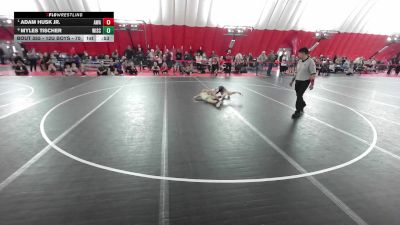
x,y
108,30
108,21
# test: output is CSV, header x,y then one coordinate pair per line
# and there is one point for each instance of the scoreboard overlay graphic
x,y
64,26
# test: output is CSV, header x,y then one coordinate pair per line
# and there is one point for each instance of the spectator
x,y
1,56
331,66
198,59
187,56
221,63
118,68
52,68
94,59
159,60
82,68
373,63
131,69
155,68
250,60
115,55
283,64
214,65
213,53
172,53
204,63
270,60
158,52
102,70
77,60
23,51
347,67
291,63
17,58
32,58
188,69
53,58
394,64
324,70
239,61
128,52
85,57
370,65
168,58
228,62
140,58
125,63
150,57
338,60
210,58
20,69
261,60
164,68
75,69
191,53
178,60
199,51
178,55
112,69
44,61
358,64
68,71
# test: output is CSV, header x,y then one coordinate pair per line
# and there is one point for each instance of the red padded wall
x,y
211,38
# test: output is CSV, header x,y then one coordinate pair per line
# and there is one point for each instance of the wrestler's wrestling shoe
x,y
296,115
218,104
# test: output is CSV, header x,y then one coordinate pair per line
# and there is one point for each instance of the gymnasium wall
x,y
213,38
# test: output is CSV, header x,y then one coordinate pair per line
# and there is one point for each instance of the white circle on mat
x,y
193,180
24,87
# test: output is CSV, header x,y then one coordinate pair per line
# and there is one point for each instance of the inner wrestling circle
x,y
193,180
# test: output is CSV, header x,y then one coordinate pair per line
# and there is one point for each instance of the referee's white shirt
x,y
305,69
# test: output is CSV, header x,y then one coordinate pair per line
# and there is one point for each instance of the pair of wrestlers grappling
x,y
215,96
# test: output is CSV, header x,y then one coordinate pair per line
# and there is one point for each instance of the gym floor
x,y
139,150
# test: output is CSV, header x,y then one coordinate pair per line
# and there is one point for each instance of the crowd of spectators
x,y
187,62
359,65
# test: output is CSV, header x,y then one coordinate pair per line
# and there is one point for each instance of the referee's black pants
x,y
301,87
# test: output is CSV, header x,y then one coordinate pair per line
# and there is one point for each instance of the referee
x,y
304,77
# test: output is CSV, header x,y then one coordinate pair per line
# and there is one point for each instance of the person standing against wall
x,y
271,60
32,57
228,62
261,60
1,55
